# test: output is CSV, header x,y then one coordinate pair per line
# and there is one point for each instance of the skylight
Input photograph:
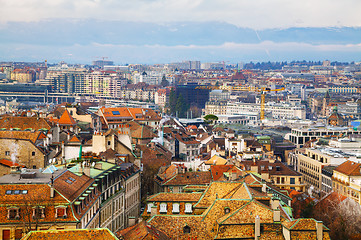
x,y
16,192
70,180
116,112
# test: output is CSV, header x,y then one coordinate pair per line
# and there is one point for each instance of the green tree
x,y
210,118
181,106
172,102
164,82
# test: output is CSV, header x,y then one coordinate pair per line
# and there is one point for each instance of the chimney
x,y
62,149
87,169
264,187
52,191
131,221
257,227
319,230
275,202
277,215
153,210
234,176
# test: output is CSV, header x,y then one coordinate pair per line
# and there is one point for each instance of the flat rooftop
x,y
31,176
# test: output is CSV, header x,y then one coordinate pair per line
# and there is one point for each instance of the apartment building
x,y
312,161
299,136
347,180
52,199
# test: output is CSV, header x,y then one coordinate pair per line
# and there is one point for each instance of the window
x,y
175,208
292,180
186,229
163,208
149,207
13,213
32,153
7,153
188,208
108,143
60,212
38,212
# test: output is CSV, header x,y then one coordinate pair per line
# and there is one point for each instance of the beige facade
x,y
310,164
132,197
23,152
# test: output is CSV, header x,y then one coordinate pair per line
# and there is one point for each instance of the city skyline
x,y
171,31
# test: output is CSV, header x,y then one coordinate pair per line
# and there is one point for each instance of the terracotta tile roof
x,y
23,135
9,163
71,234
174,226
190,178
71,185
66,119
37,194
217,171
247,213
223,190
23,123
276,168
74,139
143,230
302,224
349,168
216,160
123,113
175,197
143,132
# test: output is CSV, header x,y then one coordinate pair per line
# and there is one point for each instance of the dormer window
x,y
13,213
163,208
188,208
38,212
175,208
60,212
149,207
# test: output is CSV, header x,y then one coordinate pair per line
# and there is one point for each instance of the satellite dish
x,y
93,164
54,160
50,160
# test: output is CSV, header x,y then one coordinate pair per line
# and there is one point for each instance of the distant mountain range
x,y
67,35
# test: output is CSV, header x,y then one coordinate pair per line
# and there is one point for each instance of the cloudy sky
x,y
151,31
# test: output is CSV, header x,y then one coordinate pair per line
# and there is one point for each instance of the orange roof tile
x,y
71,234
23,123
66,119
9,163
23,135
74,139
349,168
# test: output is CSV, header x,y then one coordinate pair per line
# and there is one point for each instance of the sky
x,y
161,31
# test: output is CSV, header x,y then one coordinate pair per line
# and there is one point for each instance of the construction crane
x,y
262,90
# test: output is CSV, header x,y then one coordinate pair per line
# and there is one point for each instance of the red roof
x,y
218,170
9,163
66,119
